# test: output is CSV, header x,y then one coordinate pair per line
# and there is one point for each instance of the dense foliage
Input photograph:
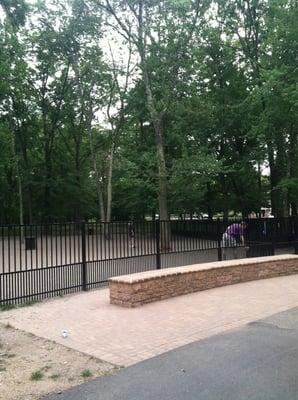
x,y
116,108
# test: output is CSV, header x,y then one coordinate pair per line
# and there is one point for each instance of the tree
x,y
260,28
14,105
15,11
112,108
148,27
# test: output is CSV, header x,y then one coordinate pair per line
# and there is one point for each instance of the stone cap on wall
x,y
158,273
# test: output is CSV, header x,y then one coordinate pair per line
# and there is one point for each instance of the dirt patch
x,y
31,367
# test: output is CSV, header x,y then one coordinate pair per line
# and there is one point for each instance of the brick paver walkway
x,y
127,336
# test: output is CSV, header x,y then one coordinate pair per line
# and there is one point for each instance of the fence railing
x,y
45,260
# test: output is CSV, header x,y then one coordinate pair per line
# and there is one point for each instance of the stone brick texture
x,y
141,288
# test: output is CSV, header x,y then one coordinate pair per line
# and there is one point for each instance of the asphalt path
x,y
256,362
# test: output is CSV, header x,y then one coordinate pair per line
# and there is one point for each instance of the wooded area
x,y
118,108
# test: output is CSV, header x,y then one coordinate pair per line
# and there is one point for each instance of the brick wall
x,y
137,289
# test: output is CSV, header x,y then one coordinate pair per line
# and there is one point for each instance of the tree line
x,y
118,108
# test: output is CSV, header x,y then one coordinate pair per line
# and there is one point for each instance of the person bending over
x,y
233,237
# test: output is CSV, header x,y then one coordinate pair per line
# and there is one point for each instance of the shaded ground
x,y
257,362
58,367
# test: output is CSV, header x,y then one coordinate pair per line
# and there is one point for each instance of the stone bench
x,y
136,289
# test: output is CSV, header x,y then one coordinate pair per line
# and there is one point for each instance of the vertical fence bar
x,y
157,241
2,270
219,250
296,234
273,237
219,237
84,265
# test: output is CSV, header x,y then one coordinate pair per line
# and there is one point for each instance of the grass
x,y
55,377
36,376
86,373
8,355
7,307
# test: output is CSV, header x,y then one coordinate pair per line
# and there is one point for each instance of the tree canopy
x,y
111,109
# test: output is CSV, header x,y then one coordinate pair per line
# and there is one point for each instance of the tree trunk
x,y
109,191
47,194
225,208
97,178
78,212
20,187
30,213
279,195
156,119
162,171
21,212
209,208
162,192
109,183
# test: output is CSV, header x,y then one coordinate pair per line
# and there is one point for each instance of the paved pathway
x,y
127,336
256,362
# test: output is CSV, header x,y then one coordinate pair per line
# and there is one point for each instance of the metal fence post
x,y
84,265
273,237
219,236
157,241
296,234
219,250
1,290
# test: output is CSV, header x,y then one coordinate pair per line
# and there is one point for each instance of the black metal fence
x,y
45,260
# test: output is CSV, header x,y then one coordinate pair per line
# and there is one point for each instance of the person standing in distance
x,y
131,233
